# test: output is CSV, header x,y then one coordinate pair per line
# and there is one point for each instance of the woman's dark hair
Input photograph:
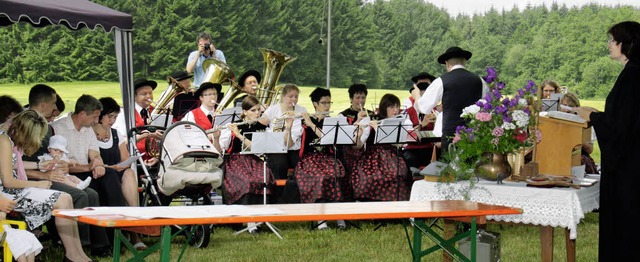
x,y
319,93
386,101
109,105
8,106
60,104
249,102
628,35
357,88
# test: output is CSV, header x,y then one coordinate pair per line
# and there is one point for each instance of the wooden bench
x,y
308,212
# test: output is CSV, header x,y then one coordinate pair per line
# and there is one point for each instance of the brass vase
x,y
493,167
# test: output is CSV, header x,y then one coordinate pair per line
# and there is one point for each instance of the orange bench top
x,y
318,211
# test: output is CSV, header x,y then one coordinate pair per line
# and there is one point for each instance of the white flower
x,y
520,117
470,110
522,102
508,126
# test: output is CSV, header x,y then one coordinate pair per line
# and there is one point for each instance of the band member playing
x,y
321,178
354,114
243,180
249,83
143,98
202,116
280,117
419,154
381,174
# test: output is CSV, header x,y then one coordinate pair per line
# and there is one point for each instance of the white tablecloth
x,y
556,207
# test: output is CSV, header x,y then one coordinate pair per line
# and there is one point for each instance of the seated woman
x,y
9,108
243,180
113,150
381,174
284,117
37,201
354,114
321,178
590,167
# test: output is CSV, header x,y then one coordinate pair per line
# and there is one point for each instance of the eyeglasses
x,y
325,103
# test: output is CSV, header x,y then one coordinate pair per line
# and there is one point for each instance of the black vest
x,y
461,88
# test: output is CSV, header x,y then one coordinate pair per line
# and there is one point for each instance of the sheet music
x,y
227,116
267,142
388,129
161,120
339,124
129,161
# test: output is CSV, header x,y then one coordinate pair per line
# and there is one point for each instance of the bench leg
x,y
165,250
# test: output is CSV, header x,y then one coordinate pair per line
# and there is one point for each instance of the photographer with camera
x,y
205,50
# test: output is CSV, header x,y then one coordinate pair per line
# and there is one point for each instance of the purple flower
x,y
521,92
531,87
487,106
460,129
480,104
501,85
526,110
513,102
491,75
507,119
501,109
489,98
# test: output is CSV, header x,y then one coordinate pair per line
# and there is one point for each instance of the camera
x,y
207,46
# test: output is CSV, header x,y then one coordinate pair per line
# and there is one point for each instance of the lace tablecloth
x,y
556,207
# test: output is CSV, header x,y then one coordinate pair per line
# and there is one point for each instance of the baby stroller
x,y
189,167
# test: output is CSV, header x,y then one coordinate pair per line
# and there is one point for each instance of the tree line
x,y
379,43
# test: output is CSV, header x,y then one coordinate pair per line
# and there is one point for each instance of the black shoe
x,y
101,252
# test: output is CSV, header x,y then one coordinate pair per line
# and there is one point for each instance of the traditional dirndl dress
x,y
381,175
37,204
321,177
244,172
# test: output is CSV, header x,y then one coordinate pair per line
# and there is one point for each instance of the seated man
x,y
143,99
83,147
202,116
249,82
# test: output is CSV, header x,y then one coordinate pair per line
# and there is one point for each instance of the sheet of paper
x,y
339,125
130,160
227,116
161,120
388,129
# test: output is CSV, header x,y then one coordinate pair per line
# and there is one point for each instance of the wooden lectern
x,y
561,145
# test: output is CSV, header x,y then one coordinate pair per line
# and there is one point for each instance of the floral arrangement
x,y
498,123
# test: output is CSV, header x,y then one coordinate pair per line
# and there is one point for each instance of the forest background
x,y
379,43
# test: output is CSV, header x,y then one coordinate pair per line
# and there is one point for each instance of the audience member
x,y
571,100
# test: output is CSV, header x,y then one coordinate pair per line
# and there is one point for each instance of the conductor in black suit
x,y
456,89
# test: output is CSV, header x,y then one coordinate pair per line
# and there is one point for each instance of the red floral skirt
x,y
381,175
321,179
244,175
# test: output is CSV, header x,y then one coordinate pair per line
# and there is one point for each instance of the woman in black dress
x,y
243,178
381,174
321,177
618,132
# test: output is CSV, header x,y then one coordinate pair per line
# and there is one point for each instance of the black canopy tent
x,y
75,15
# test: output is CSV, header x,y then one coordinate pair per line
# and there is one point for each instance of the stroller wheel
x,y
200,235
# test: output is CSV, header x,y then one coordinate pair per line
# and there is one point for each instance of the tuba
x,y
163,106
274,63
216,71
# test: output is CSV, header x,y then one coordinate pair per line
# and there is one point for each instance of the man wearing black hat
x,y
206,49
143,98
208,95
419,154
249,83
456,89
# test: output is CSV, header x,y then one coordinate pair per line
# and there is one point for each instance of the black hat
x,y
144,82
423,75
454,52
244,76
208,85
180,75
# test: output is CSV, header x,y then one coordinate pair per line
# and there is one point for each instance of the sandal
x,y
140,246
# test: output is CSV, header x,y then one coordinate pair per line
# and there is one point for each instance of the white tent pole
x,y
328,43
124,56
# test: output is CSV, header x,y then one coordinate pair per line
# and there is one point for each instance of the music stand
x,y
227,116
263,143
337,131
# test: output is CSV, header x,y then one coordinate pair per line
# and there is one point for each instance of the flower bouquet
x,y
497,124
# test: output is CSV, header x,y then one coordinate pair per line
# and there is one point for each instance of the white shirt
x,y
79,141
296,129
191,118
433,95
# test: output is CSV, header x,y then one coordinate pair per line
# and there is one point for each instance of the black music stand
x,y
337,131
263,143
228,116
